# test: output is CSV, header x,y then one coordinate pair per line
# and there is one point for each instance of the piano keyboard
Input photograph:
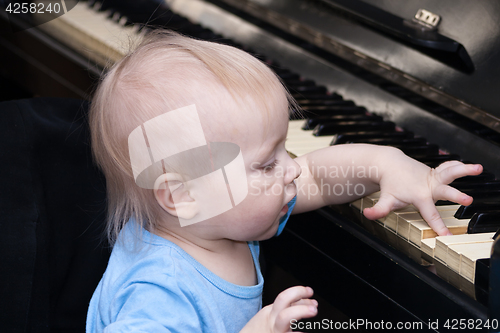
x,y
454,256
104,37
98,35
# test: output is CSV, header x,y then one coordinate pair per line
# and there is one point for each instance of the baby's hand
x,y
293,303
411,182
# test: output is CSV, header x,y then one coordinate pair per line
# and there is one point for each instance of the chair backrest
x,y
52,206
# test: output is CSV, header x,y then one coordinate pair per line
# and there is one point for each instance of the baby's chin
x,y
269,233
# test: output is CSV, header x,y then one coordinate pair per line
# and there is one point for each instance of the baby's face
x,y
270,174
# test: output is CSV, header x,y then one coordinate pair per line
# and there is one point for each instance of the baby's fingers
x,y
307,301
445,192
382,207
293,314
289,296
449,171
431,216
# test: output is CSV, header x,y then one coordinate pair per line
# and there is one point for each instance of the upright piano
x,y
418,75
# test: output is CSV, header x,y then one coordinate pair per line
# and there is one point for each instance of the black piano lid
x,y
420,33
473,25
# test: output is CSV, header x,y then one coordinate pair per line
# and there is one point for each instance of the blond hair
x,y
159,76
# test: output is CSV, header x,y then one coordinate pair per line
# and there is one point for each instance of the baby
x,y
191,138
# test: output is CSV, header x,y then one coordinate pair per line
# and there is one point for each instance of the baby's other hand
x,y
293,303
411,182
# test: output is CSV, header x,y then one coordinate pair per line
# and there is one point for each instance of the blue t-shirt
x,y
284,219
153,285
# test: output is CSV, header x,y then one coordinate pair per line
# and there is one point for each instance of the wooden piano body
x,y
355,274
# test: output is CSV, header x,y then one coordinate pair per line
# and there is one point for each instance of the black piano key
x,y
305,91
319,99
177,22
466,212
482,193
482,295
487,198
482,279
330,103
484,200
311,123
280,70
494,287
192,30
352,126
482,273
343,106
481,197
483,177
334,111
411,147
292,83
441,158
415,148
203,33
444,203
484,222
435,160
361,136
494,184
395,142
420,151
287,75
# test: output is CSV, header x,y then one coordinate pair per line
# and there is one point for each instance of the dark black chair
x,y
52,206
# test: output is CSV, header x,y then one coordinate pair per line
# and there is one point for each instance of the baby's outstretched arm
x,y
340,174
291,304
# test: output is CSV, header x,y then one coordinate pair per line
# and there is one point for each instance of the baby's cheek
x,y
266,192
258,186
274,189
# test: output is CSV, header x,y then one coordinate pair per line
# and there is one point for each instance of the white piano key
x,y
462,257
443,242
428,247
420,229
406,220
300,142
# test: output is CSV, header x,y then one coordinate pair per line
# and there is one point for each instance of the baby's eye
x,y
270,166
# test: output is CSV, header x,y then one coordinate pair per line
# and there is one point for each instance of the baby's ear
x,y
173,196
